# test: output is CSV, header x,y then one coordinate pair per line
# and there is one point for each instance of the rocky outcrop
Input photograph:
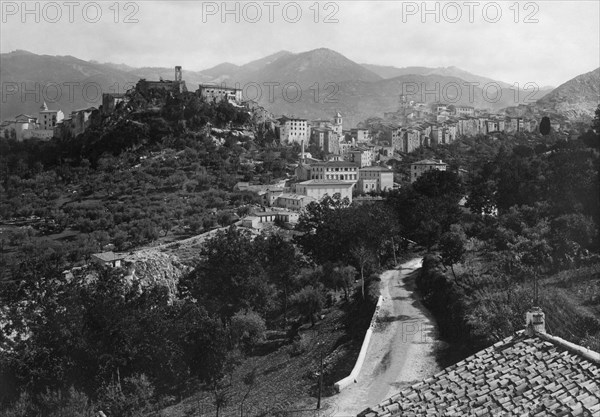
x,y
153,267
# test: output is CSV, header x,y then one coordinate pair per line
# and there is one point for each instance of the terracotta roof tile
x,y
520,375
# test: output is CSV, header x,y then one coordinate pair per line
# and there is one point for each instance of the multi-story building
x,y
293,130
334,170
464,111
360,135
375,179
75,125
419,168
326,139
468,126
217,93
47,119
176,87
361,156
318,189
293,201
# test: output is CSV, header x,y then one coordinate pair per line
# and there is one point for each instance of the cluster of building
x,y
53,123
418,124
25,126
354,145
48,124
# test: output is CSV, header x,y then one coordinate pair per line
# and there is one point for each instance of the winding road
x,y
401,351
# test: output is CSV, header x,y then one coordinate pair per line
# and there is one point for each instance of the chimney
x,y
177,73
535,321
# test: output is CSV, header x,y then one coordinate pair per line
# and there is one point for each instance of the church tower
x,y
337,123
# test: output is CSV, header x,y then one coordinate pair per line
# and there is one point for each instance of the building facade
x,y
334,170
318,189
215,93
419,168
293,130
375,179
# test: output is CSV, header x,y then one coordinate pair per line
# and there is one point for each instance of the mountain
x,y
328,82
358,100
392,72
221,71
576,98
64,82
259,64
230,73
319,66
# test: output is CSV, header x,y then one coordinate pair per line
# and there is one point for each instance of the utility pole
x,y
320,377
535,290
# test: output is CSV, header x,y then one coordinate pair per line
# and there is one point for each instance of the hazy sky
x,y
549,43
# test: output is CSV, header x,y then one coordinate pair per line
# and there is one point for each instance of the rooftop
x,y
108,256
538,375
326,182
220,87
286,118
429,162
335,164
376,168
295,196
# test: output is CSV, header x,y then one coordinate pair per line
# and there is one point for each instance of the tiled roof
x,y
286,118
108,256
335,164
325,182
376,168
521,375
428,162
291,196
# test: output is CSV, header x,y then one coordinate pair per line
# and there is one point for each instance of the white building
x,y
375,179
318,189
217,93
361,156
293,201
48,119
419,168
293,130
334,170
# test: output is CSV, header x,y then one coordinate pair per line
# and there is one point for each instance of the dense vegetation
x,y
73,345
99,340
134,178
534,218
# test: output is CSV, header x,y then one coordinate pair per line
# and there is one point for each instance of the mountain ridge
x,y
326,80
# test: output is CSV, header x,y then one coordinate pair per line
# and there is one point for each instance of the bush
x,y
129,399
247,328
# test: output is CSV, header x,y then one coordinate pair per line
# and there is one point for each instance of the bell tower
x,y
337,123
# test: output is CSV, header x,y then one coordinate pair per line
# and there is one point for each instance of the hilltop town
x,y
263,248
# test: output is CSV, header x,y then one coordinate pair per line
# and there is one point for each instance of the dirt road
x,y
401,349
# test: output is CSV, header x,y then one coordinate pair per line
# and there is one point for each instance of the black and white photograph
x,y
305,208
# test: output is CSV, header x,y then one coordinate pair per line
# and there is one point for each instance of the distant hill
x,y
65,82
392,72
575,100
328,80
320,66
358,100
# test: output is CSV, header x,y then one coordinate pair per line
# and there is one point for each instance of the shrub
x,y
247,328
